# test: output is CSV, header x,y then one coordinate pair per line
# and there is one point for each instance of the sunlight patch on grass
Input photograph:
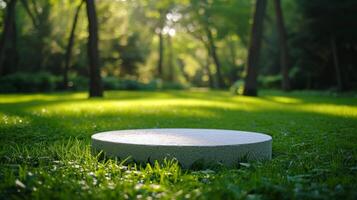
x,y
195,104
22,98
184,107
285,100
335,110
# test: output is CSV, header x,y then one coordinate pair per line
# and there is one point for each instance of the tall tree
x,y
170,58
336,63
206,66
213,53
31,14
95,81
161,43
324,43
39,13
284,52
213,83
8,30
156,18
212,49
70,46
250,87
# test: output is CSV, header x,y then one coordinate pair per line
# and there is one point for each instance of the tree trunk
x,y
170,59
95,81
161,53
284,52
209,73
232,51
211,47
181,66
212,82
70,47
30,14
9,21
11,53
213,52
336,64
250,88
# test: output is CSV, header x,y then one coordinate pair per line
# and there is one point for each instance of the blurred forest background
x,y
242,45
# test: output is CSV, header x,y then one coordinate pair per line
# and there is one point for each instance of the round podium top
x,y
181,137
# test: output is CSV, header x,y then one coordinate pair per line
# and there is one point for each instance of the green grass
x,y
45,145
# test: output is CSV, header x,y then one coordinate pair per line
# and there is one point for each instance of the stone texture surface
x,y
186,145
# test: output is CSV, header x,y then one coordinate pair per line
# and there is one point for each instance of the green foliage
x,y
113,83
132,54
29,82
322,23
237,87
173,86
45,82
45,147
78,83
273,81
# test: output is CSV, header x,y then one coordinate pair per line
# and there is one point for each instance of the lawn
x,y
45,145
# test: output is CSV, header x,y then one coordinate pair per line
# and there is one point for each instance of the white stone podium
x,y
228,147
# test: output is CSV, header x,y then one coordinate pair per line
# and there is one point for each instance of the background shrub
x,y
113,83
273,81
29,82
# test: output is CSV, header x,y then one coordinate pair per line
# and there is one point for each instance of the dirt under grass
x,y
45,145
